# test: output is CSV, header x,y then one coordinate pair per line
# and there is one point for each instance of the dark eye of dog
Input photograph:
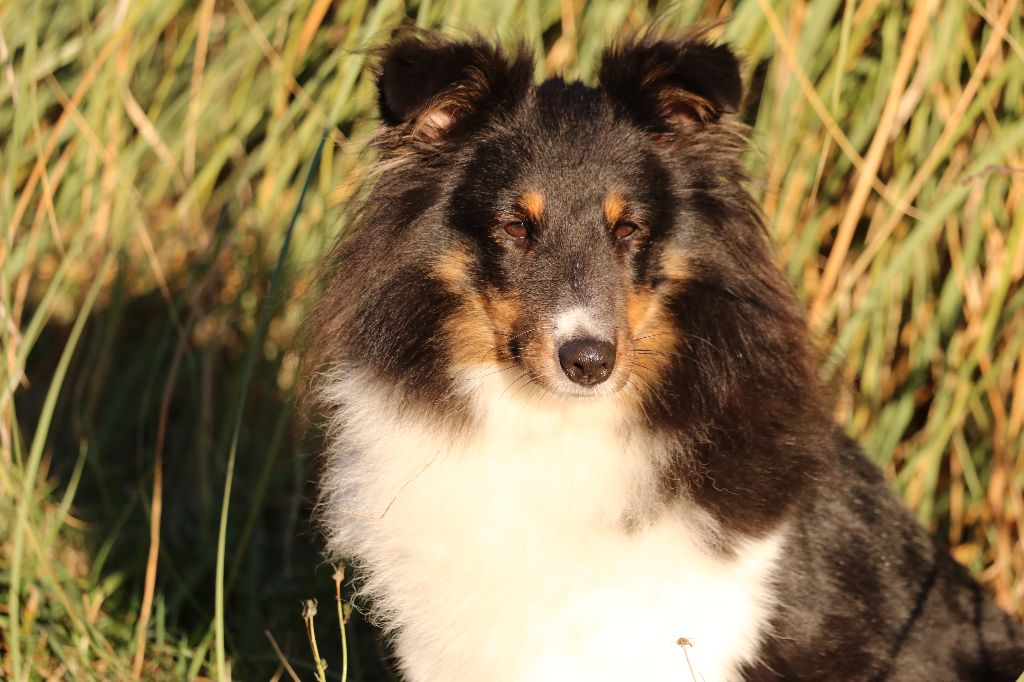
x,y
517,229
624,229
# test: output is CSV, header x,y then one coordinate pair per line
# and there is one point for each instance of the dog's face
x,y
562,217
585,241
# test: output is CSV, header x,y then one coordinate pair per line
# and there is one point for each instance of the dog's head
x,y
585,241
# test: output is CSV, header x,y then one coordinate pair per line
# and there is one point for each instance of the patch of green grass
x,y
154,153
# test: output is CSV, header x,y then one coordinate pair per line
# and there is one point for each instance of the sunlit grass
x,y
153,155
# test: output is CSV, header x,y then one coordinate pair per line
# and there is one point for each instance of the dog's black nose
x,y
587,361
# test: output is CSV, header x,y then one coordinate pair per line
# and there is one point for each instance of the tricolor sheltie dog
x,y
575,427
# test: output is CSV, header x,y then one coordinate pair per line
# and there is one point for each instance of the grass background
x,y
153,501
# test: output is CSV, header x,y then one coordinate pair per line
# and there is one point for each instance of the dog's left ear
x,y
673,85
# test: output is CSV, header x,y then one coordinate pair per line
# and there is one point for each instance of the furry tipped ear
x,y
435,85
673,85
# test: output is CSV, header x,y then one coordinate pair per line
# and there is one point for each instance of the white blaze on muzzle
x,y
581,322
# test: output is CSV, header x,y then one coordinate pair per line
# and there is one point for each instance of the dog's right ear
x,y
437,87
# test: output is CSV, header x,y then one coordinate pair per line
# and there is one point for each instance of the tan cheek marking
x,y
676,264
479,328
653,353
659,335
654,337
537,355
503,311
471,339
638,307
452,268
614,207
468,329
536,346
533,204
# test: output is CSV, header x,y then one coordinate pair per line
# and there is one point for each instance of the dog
x,y
574,427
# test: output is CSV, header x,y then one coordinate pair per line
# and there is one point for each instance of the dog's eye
x,y
624,229
517,229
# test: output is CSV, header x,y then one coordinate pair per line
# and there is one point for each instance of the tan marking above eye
x,y
533,203
614,207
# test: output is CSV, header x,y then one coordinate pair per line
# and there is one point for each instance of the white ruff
x,y
504,556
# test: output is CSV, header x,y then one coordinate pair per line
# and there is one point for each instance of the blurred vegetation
x,y
152,158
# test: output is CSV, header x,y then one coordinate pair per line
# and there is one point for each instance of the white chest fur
x,y
507,556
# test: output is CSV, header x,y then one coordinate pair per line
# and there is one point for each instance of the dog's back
x,y
870,595
575,430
